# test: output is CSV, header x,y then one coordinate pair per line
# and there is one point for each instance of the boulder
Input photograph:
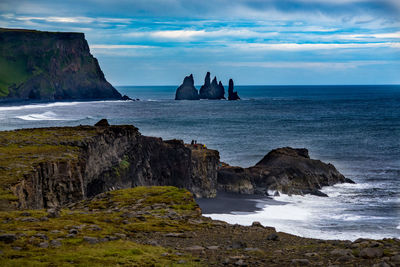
x,y
187,91
125,97
8,238
231,94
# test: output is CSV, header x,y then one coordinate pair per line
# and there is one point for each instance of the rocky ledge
x,y
283,170
163,226
50,167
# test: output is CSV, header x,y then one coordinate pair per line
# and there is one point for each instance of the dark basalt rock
x,y
187,91
212,90
50,66
102,123
287,170
231,94
125,97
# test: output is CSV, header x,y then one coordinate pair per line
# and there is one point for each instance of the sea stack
x,y
231,94
212,90
187,91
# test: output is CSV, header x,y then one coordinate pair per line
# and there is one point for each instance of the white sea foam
x,y
56,104
303,213
46,116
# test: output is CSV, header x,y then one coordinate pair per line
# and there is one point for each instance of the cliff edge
x,y
36,65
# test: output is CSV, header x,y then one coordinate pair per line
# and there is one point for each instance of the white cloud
x,y
302,65
185,35
178,34
310,46
106,46
391,35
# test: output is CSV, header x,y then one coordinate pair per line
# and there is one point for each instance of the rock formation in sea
x,y
73,163
187,91
50,65
285,170
212,90
231,94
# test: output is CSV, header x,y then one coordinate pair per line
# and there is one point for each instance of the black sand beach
x,y
231,202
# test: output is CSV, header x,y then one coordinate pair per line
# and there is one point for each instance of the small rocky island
x,y
106,195
37,65
212,90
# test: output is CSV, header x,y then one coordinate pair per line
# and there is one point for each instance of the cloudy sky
x,y
158,42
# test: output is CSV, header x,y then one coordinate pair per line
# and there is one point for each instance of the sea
x,y
356,128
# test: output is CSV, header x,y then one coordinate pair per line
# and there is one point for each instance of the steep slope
x,y
50,65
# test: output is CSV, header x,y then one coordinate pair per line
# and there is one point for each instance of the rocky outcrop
x,y
73,163
286,170
50,65
116,157
187,91
213,90
204,171
231,94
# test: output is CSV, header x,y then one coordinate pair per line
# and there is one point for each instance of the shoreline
x,y
233,202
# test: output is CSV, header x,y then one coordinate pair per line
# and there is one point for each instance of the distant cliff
x,y
50,65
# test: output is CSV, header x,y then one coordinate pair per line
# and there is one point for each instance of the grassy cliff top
x,y
22,150
9,30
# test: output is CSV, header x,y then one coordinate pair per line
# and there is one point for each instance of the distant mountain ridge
x,y
41,65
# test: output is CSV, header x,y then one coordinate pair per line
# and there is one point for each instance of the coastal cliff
x,y
40,65
49,167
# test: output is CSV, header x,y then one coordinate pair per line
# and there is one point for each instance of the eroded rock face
x,y
187,91
213,90
204,172
287,170
231,94
118,157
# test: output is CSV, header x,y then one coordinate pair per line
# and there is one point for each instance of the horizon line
x,y
383,84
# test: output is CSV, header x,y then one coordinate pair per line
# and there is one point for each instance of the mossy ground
x,y
102,217
161,226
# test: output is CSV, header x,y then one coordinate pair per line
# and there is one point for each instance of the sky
x,y
255,42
